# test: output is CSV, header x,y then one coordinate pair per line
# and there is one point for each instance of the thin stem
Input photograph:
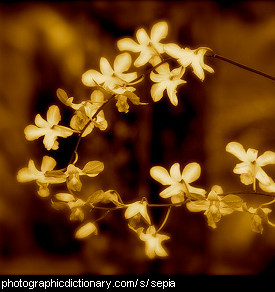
x,y
241,66
86,126
165,219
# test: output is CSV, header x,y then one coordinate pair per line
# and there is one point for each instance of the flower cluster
x,y
168,64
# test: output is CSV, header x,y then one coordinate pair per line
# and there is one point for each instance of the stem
x,y
86,126
241,66
165,219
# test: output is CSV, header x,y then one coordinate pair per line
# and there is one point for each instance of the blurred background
x,y
48,45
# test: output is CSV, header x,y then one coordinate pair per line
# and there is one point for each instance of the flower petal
x,y
194,190
32,132
105,67
252,154
142,37
40,122
161,175
157,91
175,172
85,230
236,149
48,163
172,94
93,168
173,190
191,172
262,176
159,31
89,76
198,206
49,140
267,158
128,44
243,167
53,115
122,62
143,58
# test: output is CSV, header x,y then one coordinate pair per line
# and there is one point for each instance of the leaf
x,y
233,201
85,230
93,168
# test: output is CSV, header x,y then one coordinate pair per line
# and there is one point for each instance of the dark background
x,y
45,45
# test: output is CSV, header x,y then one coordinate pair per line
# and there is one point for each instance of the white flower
x,y
31,173
153,242
215,206
44,177
186,57
179,182
111,78
138,209
258,216
250,168
91,169
166,80
149,47
50,128
86,114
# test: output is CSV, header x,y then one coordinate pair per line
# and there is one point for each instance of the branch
x,y
241,66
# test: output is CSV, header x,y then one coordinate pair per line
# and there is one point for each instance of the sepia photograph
x,y
137,137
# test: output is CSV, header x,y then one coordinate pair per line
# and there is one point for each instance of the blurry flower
x,y
168,80
149,47
44,177
107,197
111,78
88,113
153,242
258,216
138,209
179,182
122,101
50,128
91,169
250,168
86,230
74,204
215,206
186,57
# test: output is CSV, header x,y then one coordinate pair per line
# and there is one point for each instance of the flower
x,y
153,242
85,230
88,113
91,169
258,216
250,168
215,206
138,209
179,182
74,204
186,57
122,101
111,78
149,47
50,128
166,80
44,177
